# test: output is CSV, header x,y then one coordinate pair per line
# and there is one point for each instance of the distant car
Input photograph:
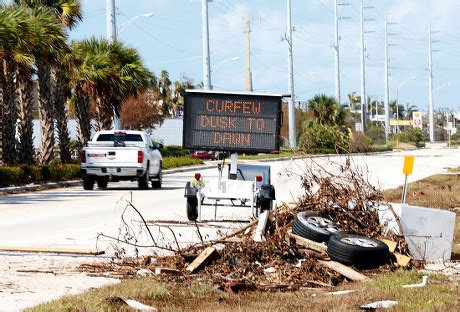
x,y
201,154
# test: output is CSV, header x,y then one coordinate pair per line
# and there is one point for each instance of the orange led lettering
x,y
208,103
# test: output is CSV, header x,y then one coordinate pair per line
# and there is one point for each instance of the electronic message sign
x,y
234,122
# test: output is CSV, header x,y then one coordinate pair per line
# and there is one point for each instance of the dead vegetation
x,y
237,262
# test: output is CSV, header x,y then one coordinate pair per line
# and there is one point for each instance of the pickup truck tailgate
x,y
112,156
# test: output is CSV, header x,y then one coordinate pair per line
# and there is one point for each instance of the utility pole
x,y
111,37
387,92
337,53
363,74
292,126
247,60
206,59
430,85
111,21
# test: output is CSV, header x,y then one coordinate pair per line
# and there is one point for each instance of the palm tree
x,y
396,109
179,92
13,48
326,110
110,73
409,110
134,76
68,13
92,74
353,98
164,87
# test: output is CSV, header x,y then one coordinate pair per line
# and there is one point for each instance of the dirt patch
x,y
27,280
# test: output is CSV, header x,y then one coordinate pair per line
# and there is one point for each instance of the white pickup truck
x,y
121,155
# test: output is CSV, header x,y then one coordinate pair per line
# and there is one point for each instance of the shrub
x,y
174,162
317,137
360,143
174,151
9,176
38,174
455,138
377,134
412,135
30,173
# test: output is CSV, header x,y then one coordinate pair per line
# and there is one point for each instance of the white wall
x,y
170,132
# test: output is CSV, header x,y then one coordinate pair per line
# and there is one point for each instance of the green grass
x,y
441,294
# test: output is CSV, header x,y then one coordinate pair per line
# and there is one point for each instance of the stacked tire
x,y
354,250
359,251
309,224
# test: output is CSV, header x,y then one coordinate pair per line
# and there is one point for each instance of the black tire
x,y
265,204
88,183
143,182
309,224
192,208
102,182
359,251
156,184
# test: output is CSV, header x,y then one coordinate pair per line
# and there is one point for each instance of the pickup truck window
x,y
108,137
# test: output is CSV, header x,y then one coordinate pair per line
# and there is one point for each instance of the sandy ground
x,y
29,279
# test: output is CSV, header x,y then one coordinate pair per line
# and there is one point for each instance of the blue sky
x,y
171,40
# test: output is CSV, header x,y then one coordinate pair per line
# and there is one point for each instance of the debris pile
x,y
281,260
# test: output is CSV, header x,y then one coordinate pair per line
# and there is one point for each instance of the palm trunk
x,y
105,110
2,84
46,112
9,113
59,105
25,127
83,115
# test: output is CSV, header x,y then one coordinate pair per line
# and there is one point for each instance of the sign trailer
x,y
232,122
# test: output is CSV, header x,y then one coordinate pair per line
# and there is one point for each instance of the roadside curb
x,y
37,187
187,169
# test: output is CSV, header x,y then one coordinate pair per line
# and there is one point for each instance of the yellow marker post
x,y
407,170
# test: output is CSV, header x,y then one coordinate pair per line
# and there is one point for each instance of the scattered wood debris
x,y
265,254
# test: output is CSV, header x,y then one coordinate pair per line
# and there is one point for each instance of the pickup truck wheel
x,y
88,183
192,209
143,182
102,183
157,183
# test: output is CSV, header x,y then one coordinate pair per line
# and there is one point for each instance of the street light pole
x,y
430,86
206,59
292,127
111,21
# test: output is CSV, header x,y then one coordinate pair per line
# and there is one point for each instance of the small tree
x,y
142,112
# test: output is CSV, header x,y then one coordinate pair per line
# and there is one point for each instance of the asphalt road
x,y
72,217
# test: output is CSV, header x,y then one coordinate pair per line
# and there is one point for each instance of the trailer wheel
x,y
192,208
265,204
360,251
88,183
102,183
309,224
